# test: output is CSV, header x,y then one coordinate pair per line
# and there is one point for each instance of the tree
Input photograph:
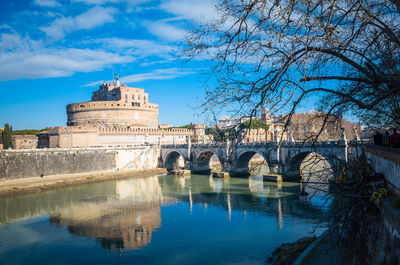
x,y
278,54
217,133
345,54
254,124
220,135
6,136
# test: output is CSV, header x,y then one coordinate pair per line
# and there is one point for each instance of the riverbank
x,y
287,253
38,184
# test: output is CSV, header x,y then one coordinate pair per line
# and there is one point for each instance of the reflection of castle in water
x,y
124,214
125,222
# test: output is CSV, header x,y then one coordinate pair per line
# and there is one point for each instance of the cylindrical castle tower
x,y
115,105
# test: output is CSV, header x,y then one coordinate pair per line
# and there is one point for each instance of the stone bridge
x,y
281,158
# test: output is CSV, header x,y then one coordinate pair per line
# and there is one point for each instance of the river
x,y
155,220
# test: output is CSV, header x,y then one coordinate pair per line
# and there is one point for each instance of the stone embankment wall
x,y
32,163
387,162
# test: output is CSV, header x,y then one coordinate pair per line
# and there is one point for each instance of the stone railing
x,y
282,144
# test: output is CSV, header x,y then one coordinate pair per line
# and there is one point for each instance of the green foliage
x,y
6,136
187,126
254,124
28,132
216,133
222,135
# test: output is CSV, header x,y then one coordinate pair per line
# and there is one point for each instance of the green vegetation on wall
x,y
28,132
187,126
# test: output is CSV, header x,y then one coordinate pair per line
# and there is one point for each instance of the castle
x,y
117,106
117,115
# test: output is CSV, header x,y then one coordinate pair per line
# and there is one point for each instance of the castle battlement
x,y
72,129
144,131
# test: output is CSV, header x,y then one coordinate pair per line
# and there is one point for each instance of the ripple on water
x,y
155,220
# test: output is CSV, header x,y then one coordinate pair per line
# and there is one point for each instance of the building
x,y
226,122
117,115
24,141
302,126
115,105
164,126
275,130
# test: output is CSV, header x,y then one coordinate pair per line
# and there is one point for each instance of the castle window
x,y
126,95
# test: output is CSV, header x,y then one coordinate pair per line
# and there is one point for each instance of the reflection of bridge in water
x,y
241,194
123,214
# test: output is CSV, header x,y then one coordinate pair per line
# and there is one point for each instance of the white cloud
x,y
26,58
159,74
102,2
165,31
47,3
138,48
94,17
195,10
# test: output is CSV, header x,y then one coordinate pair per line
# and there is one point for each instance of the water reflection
x,y
123,222
316,172
125,214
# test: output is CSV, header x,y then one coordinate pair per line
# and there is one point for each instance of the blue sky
x,y
54,52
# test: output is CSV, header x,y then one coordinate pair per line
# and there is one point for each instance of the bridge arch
x,y
311,166
174,160
206,161
251,162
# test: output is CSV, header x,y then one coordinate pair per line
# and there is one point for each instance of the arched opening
x,y
206,162
174,160
251,163
309,165
314,171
